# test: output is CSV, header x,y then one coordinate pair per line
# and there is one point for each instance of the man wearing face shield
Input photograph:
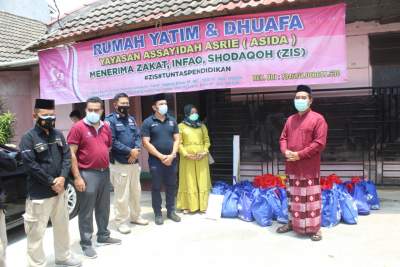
x,y
47,159
125,169
302,141
90,141
160,136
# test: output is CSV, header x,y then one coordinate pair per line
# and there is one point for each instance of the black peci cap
x,y
44,103
304,88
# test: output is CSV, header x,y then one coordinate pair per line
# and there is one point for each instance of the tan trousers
x,y
127,191
3,239
36,218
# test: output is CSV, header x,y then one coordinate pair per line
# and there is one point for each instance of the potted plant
x,y
7,121
6,127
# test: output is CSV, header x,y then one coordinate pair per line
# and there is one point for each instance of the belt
x,y
97,169
117,162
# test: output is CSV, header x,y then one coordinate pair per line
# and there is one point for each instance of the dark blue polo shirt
x,y
125,136
161,133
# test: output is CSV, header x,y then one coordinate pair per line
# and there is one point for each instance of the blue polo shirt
x,y
161,133
125,136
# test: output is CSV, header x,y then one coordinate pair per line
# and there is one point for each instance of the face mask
x,y
301,104
46,122
123,110
194,117
163,109
93,117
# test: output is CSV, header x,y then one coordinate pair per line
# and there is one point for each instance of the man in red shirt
x,y
302,141
90,141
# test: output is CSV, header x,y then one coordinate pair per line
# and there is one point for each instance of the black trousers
x,y
166,175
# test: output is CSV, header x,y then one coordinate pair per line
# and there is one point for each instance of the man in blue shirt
x,y
161,138
125,170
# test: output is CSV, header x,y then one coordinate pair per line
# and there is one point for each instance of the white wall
x,y
63,122
358,63
18,91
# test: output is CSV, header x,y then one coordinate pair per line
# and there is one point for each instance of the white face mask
x,y
301,104
93,117
163,109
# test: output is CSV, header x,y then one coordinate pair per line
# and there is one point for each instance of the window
x,y
385,59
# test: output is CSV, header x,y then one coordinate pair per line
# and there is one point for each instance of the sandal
x,y
284,229
316,237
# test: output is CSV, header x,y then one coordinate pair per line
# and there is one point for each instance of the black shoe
x,y
109,241
173,217
159,220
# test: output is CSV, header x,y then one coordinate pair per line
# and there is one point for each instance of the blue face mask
x,y
92,117
301,104
194,117
163,109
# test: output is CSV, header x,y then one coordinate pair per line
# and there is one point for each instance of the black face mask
x,y
123,109
48,122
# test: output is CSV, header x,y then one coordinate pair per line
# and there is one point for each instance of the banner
x,y
282,48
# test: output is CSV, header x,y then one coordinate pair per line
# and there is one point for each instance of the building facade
x,y
358,133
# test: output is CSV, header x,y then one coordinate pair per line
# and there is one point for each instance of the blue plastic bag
x,y
275,203
244,206
372,195
331,212
257,192
245,185
262,212
283,215
360,197
324,204
220,188
230,204
348,207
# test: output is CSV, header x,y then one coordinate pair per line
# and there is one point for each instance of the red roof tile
x,y
120,15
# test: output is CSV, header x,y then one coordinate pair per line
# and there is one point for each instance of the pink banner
x,y
282,48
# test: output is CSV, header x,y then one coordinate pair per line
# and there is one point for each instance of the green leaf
x,y
7,121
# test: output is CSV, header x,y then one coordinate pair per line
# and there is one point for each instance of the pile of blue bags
x,y
248,203
343,202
